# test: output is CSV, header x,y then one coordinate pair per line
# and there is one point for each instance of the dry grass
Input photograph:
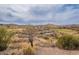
x,y
29,51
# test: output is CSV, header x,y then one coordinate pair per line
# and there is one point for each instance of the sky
x,y
37,14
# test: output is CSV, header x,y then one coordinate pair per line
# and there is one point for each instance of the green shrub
x,y
5,38
68,42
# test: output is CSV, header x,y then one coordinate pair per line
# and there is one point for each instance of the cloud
x,y
39,14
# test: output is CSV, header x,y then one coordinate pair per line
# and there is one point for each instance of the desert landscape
x,y
45,39
39,29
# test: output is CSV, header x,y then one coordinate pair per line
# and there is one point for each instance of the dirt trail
x,y
55,51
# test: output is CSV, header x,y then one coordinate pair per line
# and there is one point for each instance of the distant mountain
x,y
72,26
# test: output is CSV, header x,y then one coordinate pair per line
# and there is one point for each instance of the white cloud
x,y
26,13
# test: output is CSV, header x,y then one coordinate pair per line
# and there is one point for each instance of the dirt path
x,y
55,51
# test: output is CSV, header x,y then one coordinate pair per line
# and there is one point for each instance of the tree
x,y
31,32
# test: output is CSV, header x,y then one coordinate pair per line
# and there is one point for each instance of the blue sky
x,y
39,14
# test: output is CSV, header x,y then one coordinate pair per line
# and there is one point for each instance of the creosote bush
x,y
5,38
68,42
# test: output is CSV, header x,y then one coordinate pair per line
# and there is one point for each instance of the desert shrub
x,y
29,51
68,42
5,38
